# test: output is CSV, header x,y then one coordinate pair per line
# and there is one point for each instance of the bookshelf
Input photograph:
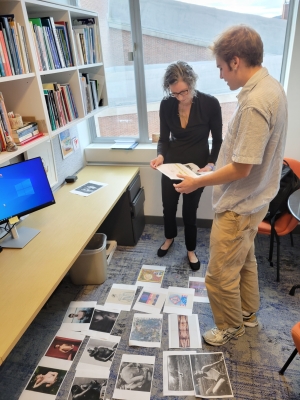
x,y
24,93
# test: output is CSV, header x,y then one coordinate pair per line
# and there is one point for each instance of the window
x,y
170,30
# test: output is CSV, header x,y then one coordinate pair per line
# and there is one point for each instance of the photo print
x,y
200,289
179,301
102,322
146,330
151,275
121,296
78,316
134,378
98,354
184,331
210,375
150,300
46,380
88,188
177,374
66,143
65,346
89,385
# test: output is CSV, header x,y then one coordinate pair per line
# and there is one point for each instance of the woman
x,y
48,379
187,117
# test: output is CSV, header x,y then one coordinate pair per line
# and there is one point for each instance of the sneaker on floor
x,y
217,337
250,320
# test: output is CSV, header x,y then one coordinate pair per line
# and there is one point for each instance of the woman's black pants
x,y
170,198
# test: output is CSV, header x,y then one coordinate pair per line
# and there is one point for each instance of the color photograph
x,y
46,380
150,300
200,289
121,296
151,275
146,330
184,331
64,348
66,144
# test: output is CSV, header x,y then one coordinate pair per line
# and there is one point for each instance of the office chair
x,y
295,331
284,225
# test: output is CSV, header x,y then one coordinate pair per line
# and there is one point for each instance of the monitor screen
x,y
24,188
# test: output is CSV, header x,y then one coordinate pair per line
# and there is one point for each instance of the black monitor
x,y
24,188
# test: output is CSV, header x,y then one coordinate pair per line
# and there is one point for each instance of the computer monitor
x,y
24,188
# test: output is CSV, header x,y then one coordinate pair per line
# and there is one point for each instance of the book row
x,y
14,58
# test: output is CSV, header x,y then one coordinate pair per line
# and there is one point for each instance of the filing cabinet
x,y
126,221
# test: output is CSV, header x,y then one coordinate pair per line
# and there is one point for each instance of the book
x,y
53,41
93,85
38,30
28,128
64,25
25,47
190,169
15,37
7,67
124,144
30,139
22,49
10,44
36,47
20,139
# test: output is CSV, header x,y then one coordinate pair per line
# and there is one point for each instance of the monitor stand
x,y
19,238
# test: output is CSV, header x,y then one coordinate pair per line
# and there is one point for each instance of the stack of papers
x,y
124,144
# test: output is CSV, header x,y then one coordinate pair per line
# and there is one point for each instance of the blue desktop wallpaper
x,y
24,188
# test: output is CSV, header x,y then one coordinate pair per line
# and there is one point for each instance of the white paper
x,y
151,275
146,330
184,331
179,301
88,188
93,382
172,170
127,384
78,316
102,322
200,289
121,297
151,300
98,354
177,374
47,379
210,376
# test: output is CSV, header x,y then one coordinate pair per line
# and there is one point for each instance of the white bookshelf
x,y
24,95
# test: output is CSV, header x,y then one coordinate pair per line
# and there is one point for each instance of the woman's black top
x,y
190,144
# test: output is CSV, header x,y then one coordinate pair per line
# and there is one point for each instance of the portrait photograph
x,y
46,380
98,353
103,320
64,348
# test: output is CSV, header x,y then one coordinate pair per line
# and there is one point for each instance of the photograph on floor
x,y
151,275
210,375
146,330
200,289
121,296
150,300
184,331
98,354
179,301
177,374
102,322
65,346
89,385
78,315
134,378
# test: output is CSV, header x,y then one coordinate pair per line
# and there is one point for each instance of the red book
x,y
6,64
30,139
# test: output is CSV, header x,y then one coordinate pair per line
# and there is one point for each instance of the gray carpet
x,y
253,360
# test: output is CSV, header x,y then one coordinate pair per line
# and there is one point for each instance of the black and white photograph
x,y
177,374
78,316
121,296
98,354
89,385
210,375
184,331
102,322
134,378
146,330
88,188
150,300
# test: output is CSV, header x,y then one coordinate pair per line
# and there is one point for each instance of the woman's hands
x,y
156,161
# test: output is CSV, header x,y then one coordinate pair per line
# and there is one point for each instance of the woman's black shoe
x,y
161,252
196,265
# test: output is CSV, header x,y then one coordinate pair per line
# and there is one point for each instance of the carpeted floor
x,y
253,360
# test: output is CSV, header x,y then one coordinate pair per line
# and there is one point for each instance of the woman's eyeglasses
x,y
182,93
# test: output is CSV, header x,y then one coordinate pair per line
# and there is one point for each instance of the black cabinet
x,y
126,221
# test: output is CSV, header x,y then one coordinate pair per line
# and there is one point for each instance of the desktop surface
x,y
29,276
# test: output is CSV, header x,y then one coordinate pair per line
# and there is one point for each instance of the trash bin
x,y
90,267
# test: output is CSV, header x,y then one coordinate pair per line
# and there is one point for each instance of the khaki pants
x,y
231,278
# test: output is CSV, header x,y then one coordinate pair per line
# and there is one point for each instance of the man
x,y
246,179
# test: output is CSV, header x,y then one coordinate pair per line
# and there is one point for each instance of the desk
x,y
294,207
30,275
